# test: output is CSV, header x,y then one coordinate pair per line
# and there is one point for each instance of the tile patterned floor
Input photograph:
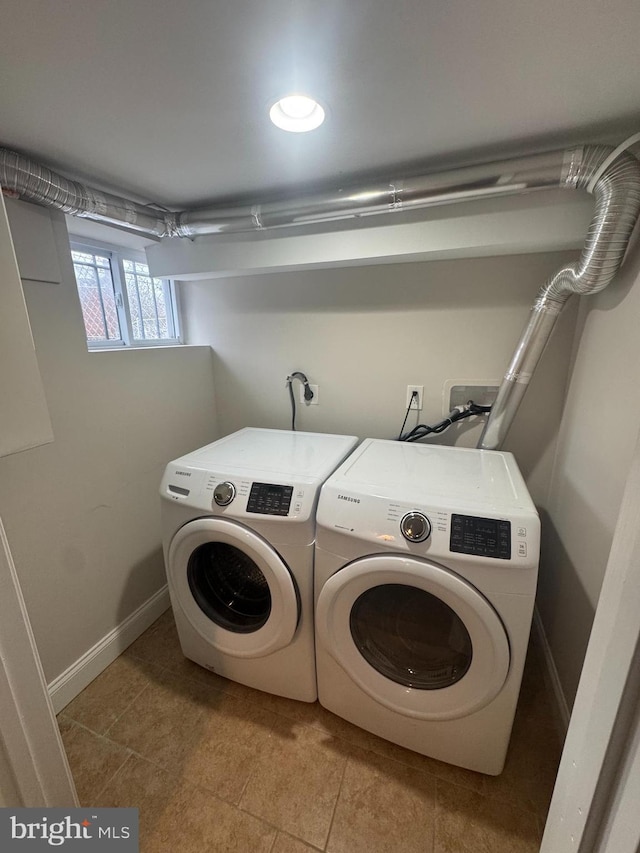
x,y
215,766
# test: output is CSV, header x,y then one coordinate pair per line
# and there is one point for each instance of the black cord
x,y
293,407
414,394
308,393
423,430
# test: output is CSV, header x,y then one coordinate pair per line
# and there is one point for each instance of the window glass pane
x,y
97,297
109,304
151,311
161,306
148,307
134,304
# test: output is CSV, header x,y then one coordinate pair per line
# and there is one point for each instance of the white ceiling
x,y
167,101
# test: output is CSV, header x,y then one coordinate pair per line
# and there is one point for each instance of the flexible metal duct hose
x,y
33,182
617,194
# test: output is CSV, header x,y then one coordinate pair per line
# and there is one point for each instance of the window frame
x,y
117,255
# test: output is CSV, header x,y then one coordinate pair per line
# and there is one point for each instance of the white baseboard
x,y
562,709
72,681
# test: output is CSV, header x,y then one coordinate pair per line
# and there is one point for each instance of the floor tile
x,y
288,844
467,822
175,815
365,740
221,766
93,759
149,642
223,754
313,714
164,719
160,645
384,807
296,781
108,696
531,766
302,712
536,700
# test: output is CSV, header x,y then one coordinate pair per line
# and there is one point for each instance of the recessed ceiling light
x,y
297,113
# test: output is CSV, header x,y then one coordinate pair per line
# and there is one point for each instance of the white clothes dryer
x,y
425,578
238,520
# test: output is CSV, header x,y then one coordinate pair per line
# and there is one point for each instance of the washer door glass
x,y
233,587
415,636
229,587
411,636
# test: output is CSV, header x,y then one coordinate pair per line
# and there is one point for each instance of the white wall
x,y
597,437
82,514
364,333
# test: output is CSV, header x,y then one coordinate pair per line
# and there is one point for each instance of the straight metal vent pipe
x,y
616,190
34,182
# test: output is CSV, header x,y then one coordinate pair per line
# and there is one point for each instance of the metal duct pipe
x,y
617,194
506,177
34,182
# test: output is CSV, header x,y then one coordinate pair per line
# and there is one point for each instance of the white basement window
x,y
122,305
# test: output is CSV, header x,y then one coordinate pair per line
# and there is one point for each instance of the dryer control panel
x,y
269,499
483,537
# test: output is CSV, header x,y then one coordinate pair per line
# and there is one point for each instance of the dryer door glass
x,y
411,636
229,587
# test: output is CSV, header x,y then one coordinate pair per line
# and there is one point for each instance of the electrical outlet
x,y
416,403
315,401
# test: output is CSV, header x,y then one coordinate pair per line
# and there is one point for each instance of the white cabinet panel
x,y
24,417
33,242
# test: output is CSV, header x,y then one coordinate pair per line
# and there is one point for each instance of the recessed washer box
x,y
458,392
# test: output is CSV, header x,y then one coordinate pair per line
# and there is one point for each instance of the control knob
x,y
224,493
415,527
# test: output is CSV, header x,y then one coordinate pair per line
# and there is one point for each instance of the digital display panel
x,y
482,537
269,499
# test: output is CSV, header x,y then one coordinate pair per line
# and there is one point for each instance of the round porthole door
x,y
234,588
417,638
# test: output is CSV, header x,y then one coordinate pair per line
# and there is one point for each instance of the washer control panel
x,y
415,527
224,493
269,499
483,537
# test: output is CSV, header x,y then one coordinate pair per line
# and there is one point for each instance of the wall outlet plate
x,y
415,404
316,392
458,392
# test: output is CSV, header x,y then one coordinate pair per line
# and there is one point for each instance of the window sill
x,y
101,350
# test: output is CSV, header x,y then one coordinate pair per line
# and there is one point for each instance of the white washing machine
x,y
238,520
425,577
